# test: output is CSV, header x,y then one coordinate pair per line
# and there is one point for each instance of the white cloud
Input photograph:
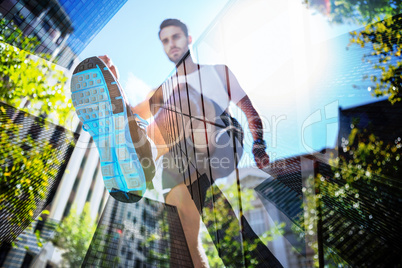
x,y
135,89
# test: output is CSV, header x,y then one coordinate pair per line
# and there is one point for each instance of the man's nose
x,y
172,43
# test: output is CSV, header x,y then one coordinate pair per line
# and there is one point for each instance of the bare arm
x,y
255,124
253,118
143,109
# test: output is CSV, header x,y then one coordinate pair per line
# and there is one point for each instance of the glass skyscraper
x,y
63,28
330,195
144,234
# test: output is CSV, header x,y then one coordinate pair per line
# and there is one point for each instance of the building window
x,y
129,255
139,247
70,64
59,40
138,263
257,221
144,215
27,260
46,26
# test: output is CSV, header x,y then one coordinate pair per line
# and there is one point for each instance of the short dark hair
x,y
173,22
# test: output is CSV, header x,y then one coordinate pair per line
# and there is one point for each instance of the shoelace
x,y
142,123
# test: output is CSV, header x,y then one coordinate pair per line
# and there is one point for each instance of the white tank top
x,y
211,86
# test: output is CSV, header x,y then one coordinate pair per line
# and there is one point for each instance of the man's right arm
x,y
143,108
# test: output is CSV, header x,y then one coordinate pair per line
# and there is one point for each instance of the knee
x,y
180,197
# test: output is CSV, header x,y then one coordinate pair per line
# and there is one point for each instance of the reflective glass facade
x,y
144,234
25,192
330,102
325,78
63,28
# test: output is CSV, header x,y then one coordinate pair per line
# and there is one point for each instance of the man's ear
x,y
190,39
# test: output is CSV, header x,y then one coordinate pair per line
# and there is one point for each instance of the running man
x,y
128,148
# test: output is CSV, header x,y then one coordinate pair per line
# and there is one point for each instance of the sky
x,y
131,40
291,62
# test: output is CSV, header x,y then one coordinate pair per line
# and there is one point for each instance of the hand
x,y
110,65
260,156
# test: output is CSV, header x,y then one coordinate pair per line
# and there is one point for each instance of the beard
x,y
179,58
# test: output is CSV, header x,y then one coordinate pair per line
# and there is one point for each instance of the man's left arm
x,y
240,98
255,125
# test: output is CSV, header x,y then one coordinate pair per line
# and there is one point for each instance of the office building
x,y
143,234
28,191
62,28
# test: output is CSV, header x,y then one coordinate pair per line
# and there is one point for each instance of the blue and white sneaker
x,y
125,152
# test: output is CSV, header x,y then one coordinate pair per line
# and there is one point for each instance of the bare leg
x,y
190,220
156,136
173,116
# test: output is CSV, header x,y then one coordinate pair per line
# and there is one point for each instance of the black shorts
x,y
185,164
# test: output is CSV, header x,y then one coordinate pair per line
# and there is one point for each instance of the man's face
x,y
175,43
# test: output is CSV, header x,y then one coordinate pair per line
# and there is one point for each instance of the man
x,y
199,96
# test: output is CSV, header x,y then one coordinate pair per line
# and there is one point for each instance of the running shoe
x,y
120,136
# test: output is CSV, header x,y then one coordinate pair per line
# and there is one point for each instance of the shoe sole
x,y
101,108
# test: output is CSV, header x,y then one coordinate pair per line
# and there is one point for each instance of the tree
x,y
74,235
26,168
219,219
362,194
33,85
26,78
385,40
355,11
358,196
382,33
